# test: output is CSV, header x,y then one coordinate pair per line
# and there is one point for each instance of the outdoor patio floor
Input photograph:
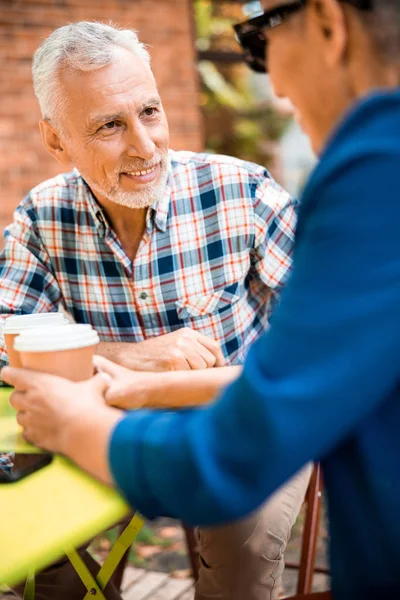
x,y
139,584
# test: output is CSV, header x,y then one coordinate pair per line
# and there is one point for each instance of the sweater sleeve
x,y
329,359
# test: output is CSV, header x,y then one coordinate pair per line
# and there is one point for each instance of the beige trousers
x,y
244,560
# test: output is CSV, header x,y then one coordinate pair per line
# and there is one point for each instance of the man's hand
x,y
47,405
182,349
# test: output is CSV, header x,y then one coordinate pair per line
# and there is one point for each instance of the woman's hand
x,y
46,405
174,389
65,417
127,389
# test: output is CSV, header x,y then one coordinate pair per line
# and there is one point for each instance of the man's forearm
x,y
182,349
113,351
136,356
123,353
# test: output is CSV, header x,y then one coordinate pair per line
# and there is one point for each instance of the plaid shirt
x,y
217,246
214,256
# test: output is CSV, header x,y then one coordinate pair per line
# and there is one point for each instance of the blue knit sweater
x,y
322,384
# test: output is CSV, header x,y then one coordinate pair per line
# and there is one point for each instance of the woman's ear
x,y
329,21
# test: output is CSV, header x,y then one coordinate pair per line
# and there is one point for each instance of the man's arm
x,y
275,219
179,350
27,283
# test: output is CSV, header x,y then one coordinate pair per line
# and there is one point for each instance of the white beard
x,y
150,194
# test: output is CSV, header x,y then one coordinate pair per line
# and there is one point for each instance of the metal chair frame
x,y
112,569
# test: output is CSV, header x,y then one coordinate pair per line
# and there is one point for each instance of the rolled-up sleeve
x,y
27,281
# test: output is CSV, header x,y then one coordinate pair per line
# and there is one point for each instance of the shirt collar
x,y
158,211
94,208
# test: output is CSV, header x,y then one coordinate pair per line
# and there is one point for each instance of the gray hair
x,y
84,46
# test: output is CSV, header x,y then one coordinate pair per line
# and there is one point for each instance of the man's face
x,y
115,131
299,71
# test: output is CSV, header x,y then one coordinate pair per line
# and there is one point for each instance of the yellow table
x,y
52,511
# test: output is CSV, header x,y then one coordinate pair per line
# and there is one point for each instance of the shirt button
x,y
143,296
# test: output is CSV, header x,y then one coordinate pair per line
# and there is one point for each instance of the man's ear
x,y
329,20
53,143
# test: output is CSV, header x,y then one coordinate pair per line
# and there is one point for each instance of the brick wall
x,y
166,25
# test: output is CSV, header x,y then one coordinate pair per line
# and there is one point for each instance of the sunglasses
x,y
250,34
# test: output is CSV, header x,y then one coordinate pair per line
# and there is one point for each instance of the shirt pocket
x,y
202,305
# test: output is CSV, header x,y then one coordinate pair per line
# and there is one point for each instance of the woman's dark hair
x,y
382,19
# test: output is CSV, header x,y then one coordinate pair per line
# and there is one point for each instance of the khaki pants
x,y
60,581
244,560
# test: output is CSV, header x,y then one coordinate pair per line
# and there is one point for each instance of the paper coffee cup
x,y
66,351
16,324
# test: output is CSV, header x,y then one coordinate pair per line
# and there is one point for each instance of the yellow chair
x,y
53,511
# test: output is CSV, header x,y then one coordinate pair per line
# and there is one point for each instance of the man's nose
x,y
140,143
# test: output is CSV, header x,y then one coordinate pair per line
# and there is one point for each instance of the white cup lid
x,y
18,323
65,337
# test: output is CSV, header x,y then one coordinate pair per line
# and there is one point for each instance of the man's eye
x,y
150,111
110,126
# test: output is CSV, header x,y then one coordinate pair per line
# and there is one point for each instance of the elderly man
x,y
323,383
176,259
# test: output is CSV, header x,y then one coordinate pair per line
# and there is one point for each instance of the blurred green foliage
x,y
147,536
239,116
